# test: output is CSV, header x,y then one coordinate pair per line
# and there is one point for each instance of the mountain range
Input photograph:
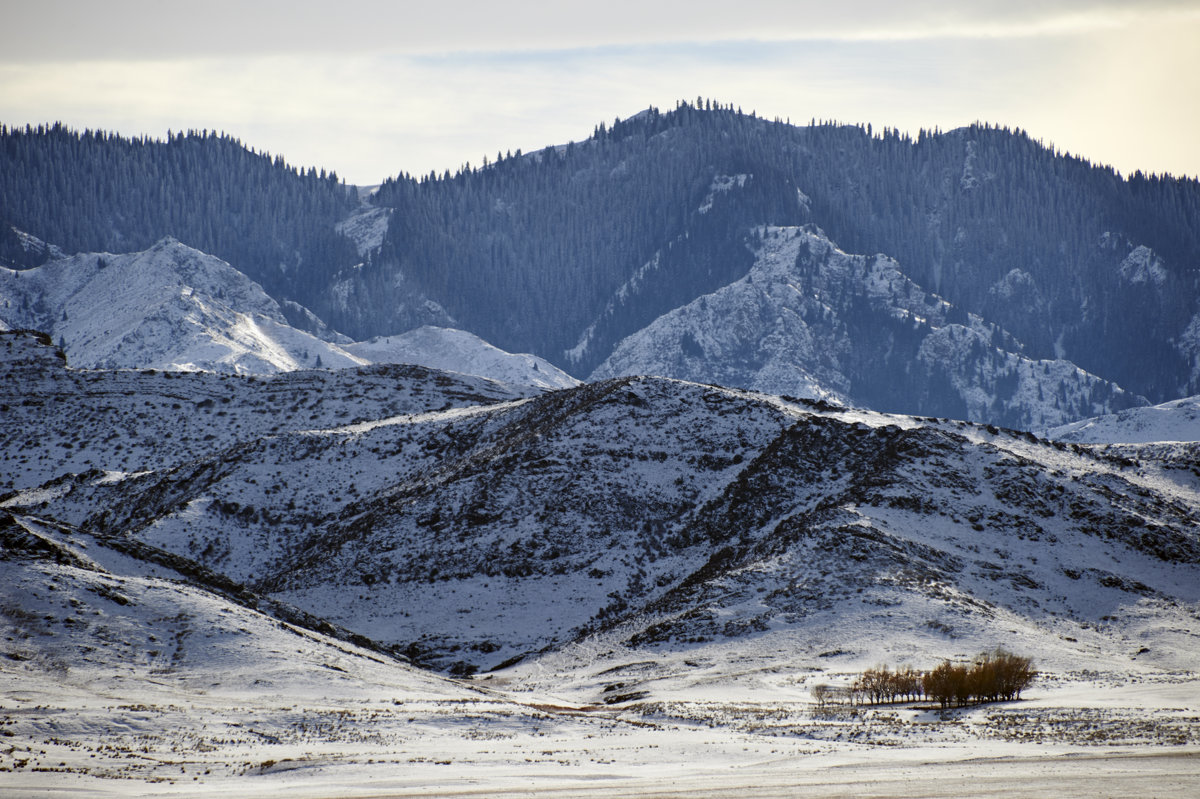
x,y
1024,287
279,501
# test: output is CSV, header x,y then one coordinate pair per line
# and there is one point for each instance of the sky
x,y
370,89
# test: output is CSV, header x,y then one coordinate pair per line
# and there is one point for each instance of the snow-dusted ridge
x,y
133,421
169,307
1176,421
459,351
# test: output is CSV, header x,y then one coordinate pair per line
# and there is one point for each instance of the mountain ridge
x,y
174,307
591,242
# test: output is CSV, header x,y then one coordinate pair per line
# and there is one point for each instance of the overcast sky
x,y
370,89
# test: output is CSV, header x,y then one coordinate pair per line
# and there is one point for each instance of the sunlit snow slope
x,y
459,351
170,307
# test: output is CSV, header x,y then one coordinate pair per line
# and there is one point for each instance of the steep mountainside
x,y
810,320
92,191
598,239
646,515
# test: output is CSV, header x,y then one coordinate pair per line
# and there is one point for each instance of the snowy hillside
x,y
155,676
217,581
1171,421
459,351
129,421
644,513
811,321
169,307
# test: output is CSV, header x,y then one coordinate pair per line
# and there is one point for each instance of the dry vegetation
x,y
993,677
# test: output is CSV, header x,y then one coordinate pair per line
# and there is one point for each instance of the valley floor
x,y
1087,735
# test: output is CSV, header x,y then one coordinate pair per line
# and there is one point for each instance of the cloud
x,y
55,30
1119,93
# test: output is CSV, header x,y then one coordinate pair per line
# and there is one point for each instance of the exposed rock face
x,y
812,321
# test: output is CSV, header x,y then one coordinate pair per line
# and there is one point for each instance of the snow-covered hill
x,y
1178,420
122,668
169,307
459,351
645,515
149,611
60,420
811,321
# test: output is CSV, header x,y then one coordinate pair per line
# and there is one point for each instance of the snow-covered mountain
x,y
459,351
635,514
812,321
173,307
169,307
218,579
1178,420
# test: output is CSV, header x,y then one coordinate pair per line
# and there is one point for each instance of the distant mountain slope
x,y
812,321
459,351
597,239
1178,420
650,514
173,307
169,307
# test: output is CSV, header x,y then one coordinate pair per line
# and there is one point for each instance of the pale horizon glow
x,y
383,90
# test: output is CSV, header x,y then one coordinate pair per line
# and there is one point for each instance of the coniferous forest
x,y
600,237
93,191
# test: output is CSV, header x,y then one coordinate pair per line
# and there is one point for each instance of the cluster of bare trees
x,y
993,677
